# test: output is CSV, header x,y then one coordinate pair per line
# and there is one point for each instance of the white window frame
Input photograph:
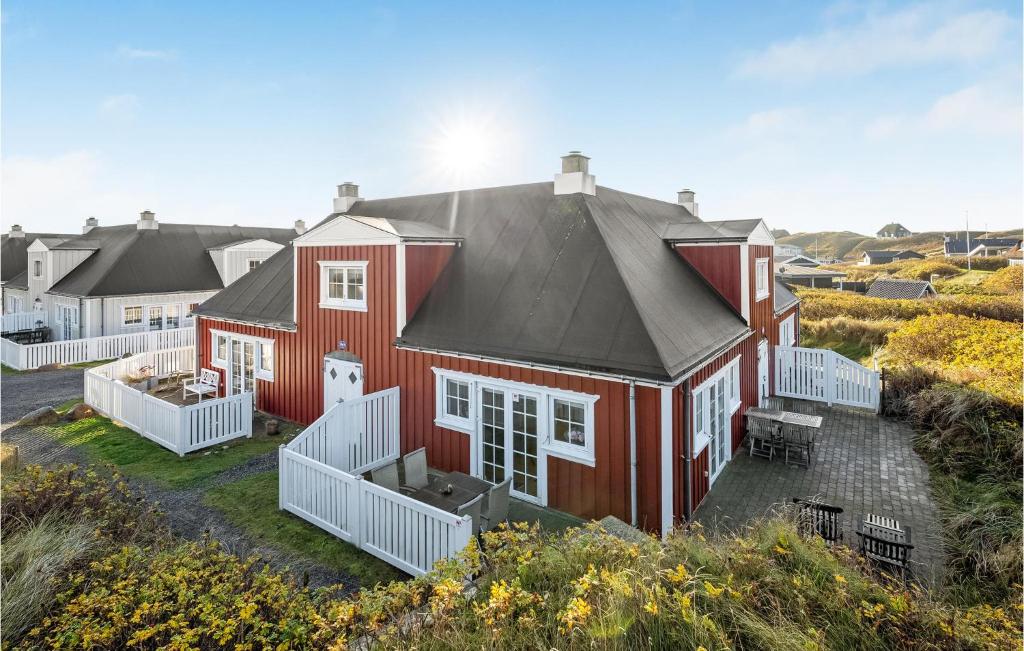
x,y
761,279
124,315
249,266
547,446
37,268
260,373
342,303
700,408
787,326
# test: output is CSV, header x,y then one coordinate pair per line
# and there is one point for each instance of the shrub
x,y
1008,280
981,264
817,304
36,559
862,332
925,269
983,353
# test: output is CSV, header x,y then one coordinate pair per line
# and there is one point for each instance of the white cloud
x,y
773,122
129,52
884,127
120,107
976,109
917,35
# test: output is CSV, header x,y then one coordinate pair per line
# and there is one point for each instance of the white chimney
x,y
16,231
686,200
348,194
90,224
300,226
147,221
575,177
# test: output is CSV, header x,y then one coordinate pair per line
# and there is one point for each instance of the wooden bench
x,y
207,382
884,541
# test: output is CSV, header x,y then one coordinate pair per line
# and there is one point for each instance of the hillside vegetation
x,y
767,588
847,244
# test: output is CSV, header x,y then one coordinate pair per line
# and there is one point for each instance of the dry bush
x,y
862,332
818,304
1008,280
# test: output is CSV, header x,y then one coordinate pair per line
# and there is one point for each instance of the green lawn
x,y
854,350
7,370
251,504
964,283
136,456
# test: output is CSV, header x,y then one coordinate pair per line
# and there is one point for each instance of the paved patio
x,y
862,462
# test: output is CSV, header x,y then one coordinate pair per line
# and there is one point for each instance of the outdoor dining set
x,y
455,492
881,539
771,431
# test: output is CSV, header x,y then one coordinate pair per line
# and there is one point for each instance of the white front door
x,y
242,367
720,429
507,428
762,372
343,380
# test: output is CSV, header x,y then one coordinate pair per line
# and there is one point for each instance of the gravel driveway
x,y
20,394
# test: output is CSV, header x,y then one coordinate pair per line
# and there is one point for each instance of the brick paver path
x,y
861,462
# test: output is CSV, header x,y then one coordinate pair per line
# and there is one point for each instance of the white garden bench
x,y
207,382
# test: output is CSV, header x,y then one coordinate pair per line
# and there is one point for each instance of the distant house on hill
x,y
956,246
898,288
885,257
893,231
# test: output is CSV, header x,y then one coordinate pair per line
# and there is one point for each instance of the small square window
x,y
253,263
456,399
343,285
569,423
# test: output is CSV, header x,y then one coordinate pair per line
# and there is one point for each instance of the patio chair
x,y
415,465
472,509
762,435
208,381
496,510
818,518
892,554
774,402
797,440
387,476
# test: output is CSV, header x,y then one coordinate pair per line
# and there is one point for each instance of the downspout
x,y
687,455
632,453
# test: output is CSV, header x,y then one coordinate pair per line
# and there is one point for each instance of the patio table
x,y
464,489
785,417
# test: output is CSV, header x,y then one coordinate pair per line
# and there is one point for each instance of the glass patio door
x,y
492,435
243,366
508,439
155,317
720,446
525,464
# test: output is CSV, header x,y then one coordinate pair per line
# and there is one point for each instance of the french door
x,y
507,433
720,430
242,367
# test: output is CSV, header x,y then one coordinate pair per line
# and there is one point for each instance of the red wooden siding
x,y
720,266
698,479
423,264
762,313
297,390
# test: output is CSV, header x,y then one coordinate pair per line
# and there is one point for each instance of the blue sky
x,y
813,116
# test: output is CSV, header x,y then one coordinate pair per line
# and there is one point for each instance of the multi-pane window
x,y
267,358
222,347
569,424
456,398
173,316
133,315
343,286
156,317
762,278
37,268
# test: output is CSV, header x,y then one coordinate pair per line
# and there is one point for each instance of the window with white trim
x,y
220,348
37,268
762,279
253,263
173,317
706,399
787,331
343,285
131,315
262,354
456,399
734,386
267,359
568,424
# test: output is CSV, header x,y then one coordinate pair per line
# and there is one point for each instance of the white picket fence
x,y
181,429
76,351
825,376
321,481
16,321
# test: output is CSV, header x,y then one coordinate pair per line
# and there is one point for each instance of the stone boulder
x,y
80,411
41,416
50,367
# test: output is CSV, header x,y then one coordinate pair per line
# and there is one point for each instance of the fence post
x,y
830,377
183,434
280,477
247,408
355,517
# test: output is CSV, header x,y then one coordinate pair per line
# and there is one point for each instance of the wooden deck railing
x,y
825,376
181,429
24,357
321,481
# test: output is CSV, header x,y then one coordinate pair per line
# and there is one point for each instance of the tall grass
x,y
35,561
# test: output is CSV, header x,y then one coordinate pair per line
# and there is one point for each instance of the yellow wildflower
x,y
678,575
713,592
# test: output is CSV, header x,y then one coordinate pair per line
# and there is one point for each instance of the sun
x,y
463,148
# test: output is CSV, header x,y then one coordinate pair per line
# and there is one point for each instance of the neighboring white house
x,y
134,277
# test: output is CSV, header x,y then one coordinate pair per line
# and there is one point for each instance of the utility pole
x,y
967,223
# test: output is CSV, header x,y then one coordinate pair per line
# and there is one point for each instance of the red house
x,y
596,346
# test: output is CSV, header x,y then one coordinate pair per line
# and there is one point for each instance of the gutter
x,y
632,454
687,455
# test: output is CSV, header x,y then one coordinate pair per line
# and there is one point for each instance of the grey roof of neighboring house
x,y
18,282
892,255
14,252
575,280
961,245
718,231
893,228
797,271
409,229
783,298
172,258
898,288
796,260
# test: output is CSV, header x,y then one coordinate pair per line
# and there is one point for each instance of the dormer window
x,y
343,285
37,268
762,278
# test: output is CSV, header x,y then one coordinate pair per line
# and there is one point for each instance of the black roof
x,y
574,280
899,288
960,244
783,298
893,228
171,258
14,252
721,231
